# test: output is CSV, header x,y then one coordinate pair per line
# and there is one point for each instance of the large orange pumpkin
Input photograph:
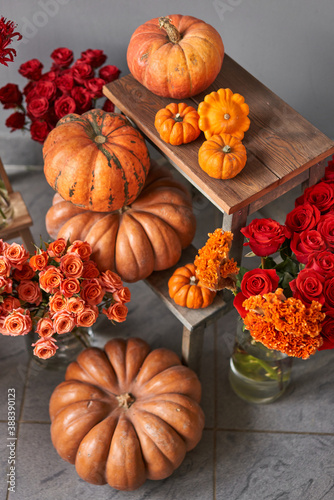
x,y
175,56
126,414
147,236
97,161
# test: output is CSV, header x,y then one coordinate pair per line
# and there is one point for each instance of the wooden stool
x,y
21,221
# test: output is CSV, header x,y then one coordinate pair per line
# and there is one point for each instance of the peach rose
x,y
16,254
69,287
90,270
39,261
116,312
10,303
82,248
50,279
6,285
71,265
45,328
29,291
18,322
5,266
45,348
3,316
88,316
26,273
57,302
57,248
92,292
110,281
122,295
63,322
3,246
75,305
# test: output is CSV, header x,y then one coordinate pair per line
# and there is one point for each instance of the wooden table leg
x,y
28,240
192,345
315,174
234,223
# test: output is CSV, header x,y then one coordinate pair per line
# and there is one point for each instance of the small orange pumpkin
x,y
186,291
222,156
177,123
223,112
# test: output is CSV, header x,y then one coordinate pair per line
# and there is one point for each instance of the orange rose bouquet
x,y
54,291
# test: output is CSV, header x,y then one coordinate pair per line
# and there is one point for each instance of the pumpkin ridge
x,y
113,157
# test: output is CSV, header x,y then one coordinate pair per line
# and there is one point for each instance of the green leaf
x,y
269,263
250,254
288,266
287,277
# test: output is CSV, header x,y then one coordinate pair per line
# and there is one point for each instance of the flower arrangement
x,y
7,34
54,291
68,87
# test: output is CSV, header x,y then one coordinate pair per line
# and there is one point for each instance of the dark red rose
x,y
108,106
65,82
82,71
37,107
64,105
63,57
326,229
329,171
16,121
323,262
237,302
39,130
50,76
94,87
31,69
82,98
10,96
305,243
321,195
45,88
265,236
329,292
308,286
259,281
302,217
327,331
109,73
93,57
29,87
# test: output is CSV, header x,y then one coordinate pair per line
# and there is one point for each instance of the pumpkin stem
x,y
193,280
227,116
178,117
227,149
125,400
172,33
100,139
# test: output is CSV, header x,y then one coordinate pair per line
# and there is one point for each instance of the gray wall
x,y
287,44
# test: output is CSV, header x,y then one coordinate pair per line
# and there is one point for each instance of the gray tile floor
x,y
281,451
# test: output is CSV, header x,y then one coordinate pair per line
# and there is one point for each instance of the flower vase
x,y
6,209
257,374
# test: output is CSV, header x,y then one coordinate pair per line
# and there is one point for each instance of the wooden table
x,y
284,150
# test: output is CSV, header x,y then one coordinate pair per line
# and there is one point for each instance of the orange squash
x,y
177,123
97,161
222,156
175,56
186,291
125,414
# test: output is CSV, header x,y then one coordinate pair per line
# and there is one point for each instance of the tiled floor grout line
x,y
215,409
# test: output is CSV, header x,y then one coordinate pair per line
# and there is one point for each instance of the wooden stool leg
x,y
315,174
192,344
28,240
234,223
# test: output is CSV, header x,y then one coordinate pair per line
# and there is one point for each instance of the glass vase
x,y
257,374
6,209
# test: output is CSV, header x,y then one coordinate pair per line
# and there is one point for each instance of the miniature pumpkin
x,y
125,414
177,123
97,161
223,112
175,56
222,156
185,289
146,236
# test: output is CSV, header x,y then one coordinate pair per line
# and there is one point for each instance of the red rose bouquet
x,y
68,87
54,291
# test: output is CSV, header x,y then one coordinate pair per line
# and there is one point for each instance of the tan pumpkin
x,y
97,161
186,291
222,156
176,56
126,414
177,123
147,236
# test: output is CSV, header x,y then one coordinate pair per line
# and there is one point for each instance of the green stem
x,y
263,261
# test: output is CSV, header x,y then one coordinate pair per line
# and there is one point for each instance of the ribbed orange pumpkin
x,y
98,161
147,236
222,156
175,56
185,289
177,123
126,414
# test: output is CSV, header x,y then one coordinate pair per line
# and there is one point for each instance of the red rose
x,y
321,195
326,229
329,292
63,57
10,96
308,286
327,331
16,121
93,57
305,243
237,302
64,105
31,69
29,87
265,236
46,89
329,171
109,73
82,98
82,71
39,130
50,76
65,82
108,106
302,217
38,107
259,281
322,262
94,87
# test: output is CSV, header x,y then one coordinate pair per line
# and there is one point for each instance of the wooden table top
x,y
280,143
